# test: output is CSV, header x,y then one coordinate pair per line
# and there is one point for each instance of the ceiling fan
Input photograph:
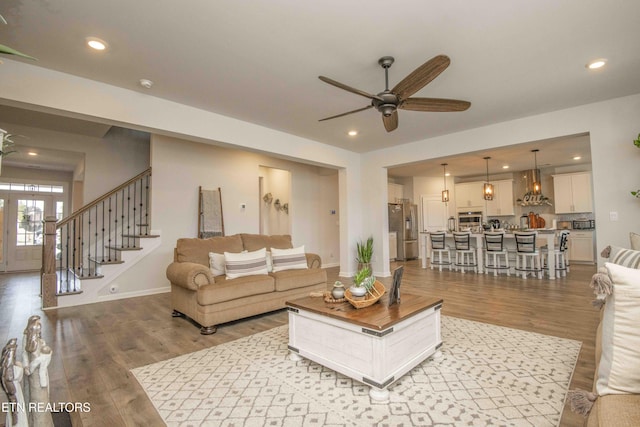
x,y
389,101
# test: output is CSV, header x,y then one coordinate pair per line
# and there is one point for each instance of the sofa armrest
x,y
313,260
189,275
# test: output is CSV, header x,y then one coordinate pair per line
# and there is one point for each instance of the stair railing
x,y
96,233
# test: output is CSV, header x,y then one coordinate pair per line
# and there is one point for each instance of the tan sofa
x,y
612,410
210,300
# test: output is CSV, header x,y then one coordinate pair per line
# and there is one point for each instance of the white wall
x,y
28,86
612,125
108,161
180,167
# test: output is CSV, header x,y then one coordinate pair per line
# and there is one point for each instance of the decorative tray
x,y
368,299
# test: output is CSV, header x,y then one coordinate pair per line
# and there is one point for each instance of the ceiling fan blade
x,y
344,114
421,76
390,122
349,88
434,104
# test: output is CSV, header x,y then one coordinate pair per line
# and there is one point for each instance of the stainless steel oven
x,y
469,220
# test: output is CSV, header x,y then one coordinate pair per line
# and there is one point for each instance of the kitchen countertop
x,y
510,232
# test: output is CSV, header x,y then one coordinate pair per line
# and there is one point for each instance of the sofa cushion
x,y
615,411
225,289
245,263
253,242
635,241
288,259
619,367
625,257
197,250
292,279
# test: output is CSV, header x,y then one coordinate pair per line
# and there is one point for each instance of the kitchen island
x,y
546,236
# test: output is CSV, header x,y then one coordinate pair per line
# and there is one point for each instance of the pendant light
x,y
537,186
445,192
488,187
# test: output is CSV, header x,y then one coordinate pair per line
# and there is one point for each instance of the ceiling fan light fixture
x,y
352,133
387,110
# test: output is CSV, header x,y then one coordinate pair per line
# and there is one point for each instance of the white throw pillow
x,y
269,262
619,370
216,264
289,259
246,263
635,241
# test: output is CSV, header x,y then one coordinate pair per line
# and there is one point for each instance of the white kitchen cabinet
x,y
502,203
572,193
469,195
581,247
395,192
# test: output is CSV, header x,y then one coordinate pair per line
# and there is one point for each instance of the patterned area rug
x,y
489,375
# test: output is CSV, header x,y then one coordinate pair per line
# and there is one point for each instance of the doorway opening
x,y
275,194
23,208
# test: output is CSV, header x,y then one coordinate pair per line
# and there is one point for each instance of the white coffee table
x,y
375,345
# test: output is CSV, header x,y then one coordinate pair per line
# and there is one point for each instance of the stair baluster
x,y
102,223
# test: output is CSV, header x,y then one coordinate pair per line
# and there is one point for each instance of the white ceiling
x,y
259,61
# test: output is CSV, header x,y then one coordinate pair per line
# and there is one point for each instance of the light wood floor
x,y
95,346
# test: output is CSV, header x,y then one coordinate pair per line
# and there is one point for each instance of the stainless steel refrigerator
x,y
403,219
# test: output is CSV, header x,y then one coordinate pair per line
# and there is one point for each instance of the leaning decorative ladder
x,y
75,248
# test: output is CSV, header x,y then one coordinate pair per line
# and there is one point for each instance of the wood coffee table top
x,y
379,316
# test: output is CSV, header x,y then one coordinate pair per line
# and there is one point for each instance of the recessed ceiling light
x,y
146,83
96,43
505,167
447,174
353,132
32,153
577,158
597,63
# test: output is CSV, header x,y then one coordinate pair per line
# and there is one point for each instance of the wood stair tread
x,y
96,276
120,248
61,294
113,261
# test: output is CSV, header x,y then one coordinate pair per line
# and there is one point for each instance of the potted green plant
x,y
363,284
364,252
359,289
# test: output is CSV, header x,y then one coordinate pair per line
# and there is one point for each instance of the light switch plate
x,y
613,216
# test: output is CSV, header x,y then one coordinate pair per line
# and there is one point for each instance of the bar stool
x,y
526,249
559,254
465,253
495,248
439,248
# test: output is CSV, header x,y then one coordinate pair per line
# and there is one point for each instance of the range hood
x,y
530,198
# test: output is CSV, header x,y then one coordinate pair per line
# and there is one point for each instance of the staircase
x,y
84,253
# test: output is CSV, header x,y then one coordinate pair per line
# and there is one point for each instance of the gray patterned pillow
x,y
245,263
289,259
625,257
